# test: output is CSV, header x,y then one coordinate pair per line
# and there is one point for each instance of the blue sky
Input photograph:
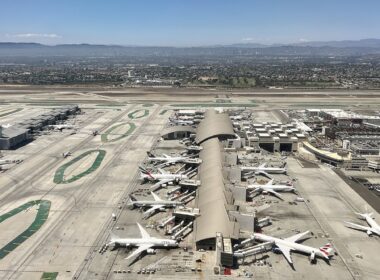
x,y
187,22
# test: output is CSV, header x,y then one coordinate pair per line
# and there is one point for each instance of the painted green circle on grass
x,y
40,219
60,173
138,114
106,136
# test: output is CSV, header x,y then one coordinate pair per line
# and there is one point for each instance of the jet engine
x,y
276,250
312,257
151,251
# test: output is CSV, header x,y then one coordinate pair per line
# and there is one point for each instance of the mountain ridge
x,y
317,48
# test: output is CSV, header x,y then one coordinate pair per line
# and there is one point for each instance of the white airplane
x,y
236,118
185,118
154,205
168,160
194,149
66,154
61,127
145,243
270,188
263,170
181,122
8,161
373,227
161,178
290,244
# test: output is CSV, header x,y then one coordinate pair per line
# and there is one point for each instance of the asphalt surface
x,y
371,198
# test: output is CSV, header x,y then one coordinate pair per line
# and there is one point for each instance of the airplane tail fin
x,y
143,170
327,250
151,155
132,197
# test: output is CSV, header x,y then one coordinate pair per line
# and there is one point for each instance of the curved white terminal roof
x,y
214,125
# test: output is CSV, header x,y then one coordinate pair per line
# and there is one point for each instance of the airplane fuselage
x,y
269,170
375,228
144,203
172,159
156,177
133,242
277,188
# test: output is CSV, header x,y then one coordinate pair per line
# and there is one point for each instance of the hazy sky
x,y
187,22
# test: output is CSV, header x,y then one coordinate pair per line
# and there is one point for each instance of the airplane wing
x,y
285,250
156,197
162,164
297,237
159,183
275,193
356,226
270,182
162,171
165,155
253,193
262,165
143,232
255,189
152,209
139,250
264,174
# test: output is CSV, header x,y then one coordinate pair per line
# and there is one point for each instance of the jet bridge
x,y
254,250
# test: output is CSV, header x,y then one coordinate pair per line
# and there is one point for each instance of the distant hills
x,y
328,48
364,43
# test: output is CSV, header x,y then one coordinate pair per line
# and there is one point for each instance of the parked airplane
x,y
374,228
154,205
290,244
181,122
161,178
144,244
167,160
193,149
263,170
270,188
61,127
